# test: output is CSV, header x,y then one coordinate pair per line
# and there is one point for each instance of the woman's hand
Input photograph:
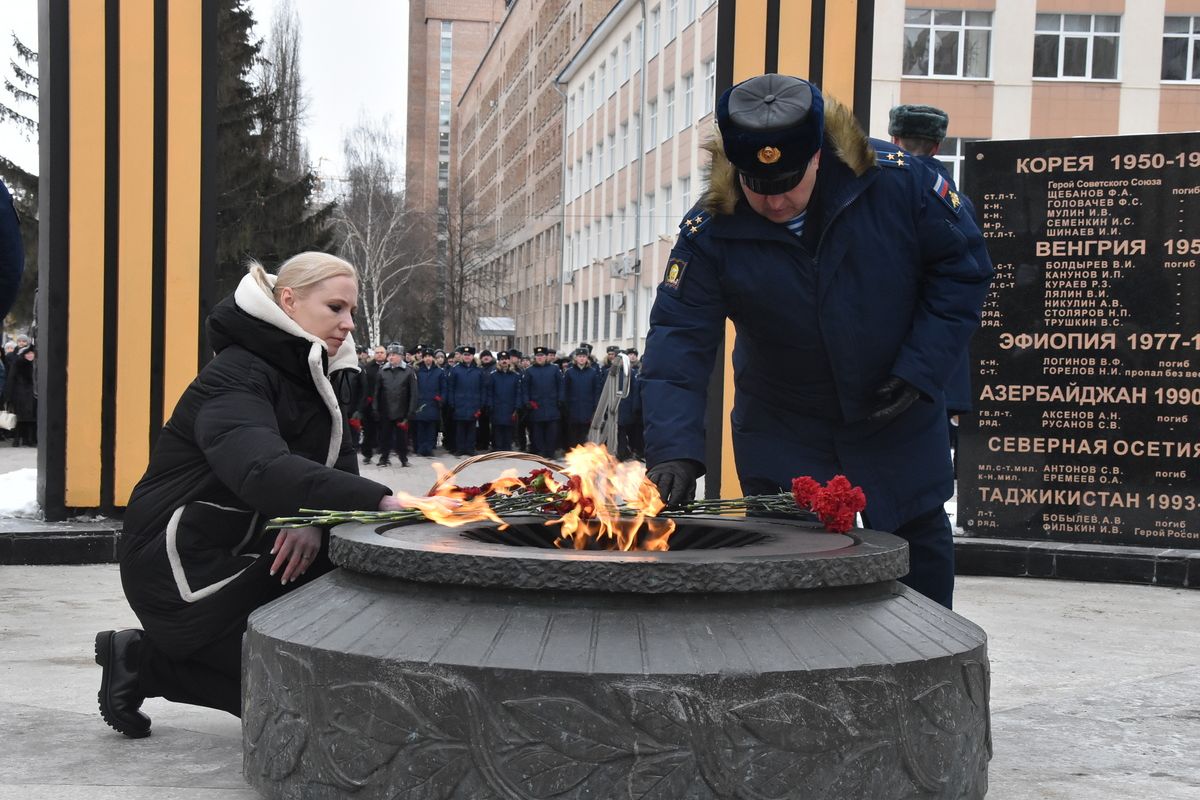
x,y
391,503
295,550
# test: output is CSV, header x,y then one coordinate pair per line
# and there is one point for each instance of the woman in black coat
x,y
258,434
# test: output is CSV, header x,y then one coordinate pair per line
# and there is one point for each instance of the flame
x,y
608,502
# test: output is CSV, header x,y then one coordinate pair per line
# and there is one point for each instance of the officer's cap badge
x,y
769,155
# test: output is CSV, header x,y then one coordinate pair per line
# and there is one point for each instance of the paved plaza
x,y
1095,688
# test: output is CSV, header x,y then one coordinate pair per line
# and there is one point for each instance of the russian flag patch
x,y
941,187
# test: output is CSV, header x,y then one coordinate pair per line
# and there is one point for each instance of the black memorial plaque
x,y
1086,369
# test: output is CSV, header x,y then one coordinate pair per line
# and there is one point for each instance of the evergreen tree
x,y
21,88
262,211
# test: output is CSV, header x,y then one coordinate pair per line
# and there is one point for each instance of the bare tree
x,y
286,105
374,231
472,269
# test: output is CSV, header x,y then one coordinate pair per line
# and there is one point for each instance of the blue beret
x,y
771,126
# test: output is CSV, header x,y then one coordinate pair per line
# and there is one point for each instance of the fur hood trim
x,y
843,136
253,295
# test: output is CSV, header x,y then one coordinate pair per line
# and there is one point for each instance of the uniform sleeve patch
x,y
676,268
941,188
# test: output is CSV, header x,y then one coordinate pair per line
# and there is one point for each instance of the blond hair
x,y
301,272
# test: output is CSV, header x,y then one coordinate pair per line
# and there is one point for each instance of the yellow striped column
x,y
825,41
126,121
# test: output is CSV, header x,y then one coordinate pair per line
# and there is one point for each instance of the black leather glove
x,y
892,398
676,480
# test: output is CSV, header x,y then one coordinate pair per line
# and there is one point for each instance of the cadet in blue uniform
x,y
920,130
431,391
483,432
581,389
854,280
467,394
543,393
508,396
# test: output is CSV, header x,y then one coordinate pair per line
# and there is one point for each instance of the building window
x,y
651,226
599,161
570,182
595,318
624,153
688,82
603,81
710,85
1181,49
685,194
672,18
626,59
571,111
612,154
655,28
582,319
587,169
621,321
591,94
947,43
607,316
689,14
668,113
668,215
608,234
1076,46
615,82
651,125
953,154
622,242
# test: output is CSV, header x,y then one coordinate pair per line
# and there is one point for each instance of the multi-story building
x,y
1022,69
581,130
507,177
640,98
446,40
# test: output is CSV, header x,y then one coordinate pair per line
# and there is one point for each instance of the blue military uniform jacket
x,y
431,391
507,392
543,386
582,390
888,279
467,391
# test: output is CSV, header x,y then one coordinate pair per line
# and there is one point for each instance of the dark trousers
x,y
637,439
930,555
448,430
392,438
424,436
502,437
543,437
370,434
577,433
522,431
464,437
211,677
625,449
483,435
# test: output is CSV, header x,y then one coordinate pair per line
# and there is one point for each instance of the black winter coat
x,y
258,434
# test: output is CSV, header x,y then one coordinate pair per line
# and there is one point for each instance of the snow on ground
x,y
18,494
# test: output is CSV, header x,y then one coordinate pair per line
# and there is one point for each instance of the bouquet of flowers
x,y
586,494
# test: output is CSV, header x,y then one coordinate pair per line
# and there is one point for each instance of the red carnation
x,y
804,490
836,503
533,404
355,424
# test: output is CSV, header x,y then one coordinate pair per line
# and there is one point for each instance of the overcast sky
x,y
353,61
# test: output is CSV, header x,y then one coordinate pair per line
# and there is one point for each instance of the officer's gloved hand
x,y
676,480
892,398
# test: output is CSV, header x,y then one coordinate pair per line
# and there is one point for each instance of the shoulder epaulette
x,y
694,223
892,158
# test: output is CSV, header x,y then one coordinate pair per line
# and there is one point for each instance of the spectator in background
x,y
366,409
395,401
20,395
12,252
